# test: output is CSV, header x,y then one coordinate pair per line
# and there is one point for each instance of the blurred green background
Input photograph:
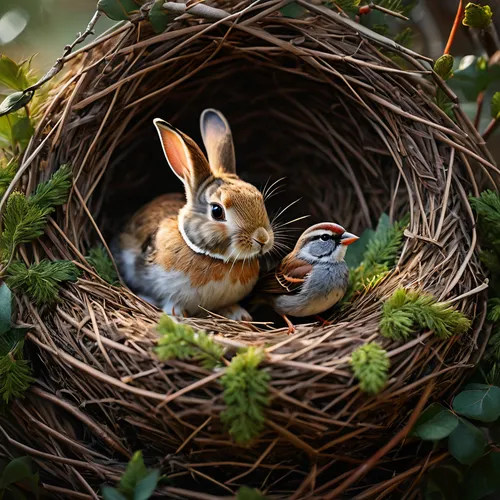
x,y
43,27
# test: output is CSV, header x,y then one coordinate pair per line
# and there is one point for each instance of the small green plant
x,y
374,255
180,341
15,373
370,365
40,282
477,16
25,218
407,312
137,483
444,66
467,441
7,173
246,394
17,479
99,259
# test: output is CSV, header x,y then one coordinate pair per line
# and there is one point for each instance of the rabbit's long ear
x,y
218,141
183,155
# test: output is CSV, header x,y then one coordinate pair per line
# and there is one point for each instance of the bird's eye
x,y
325,237
217,212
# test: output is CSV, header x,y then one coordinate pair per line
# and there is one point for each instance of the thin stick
x,y
454,29
369,464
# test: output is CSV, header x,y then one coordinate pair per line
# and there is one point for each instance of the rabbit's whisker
x,y
285,209
267,190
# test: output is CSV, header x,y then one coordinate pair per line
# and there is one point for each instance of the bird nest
x,y
350,120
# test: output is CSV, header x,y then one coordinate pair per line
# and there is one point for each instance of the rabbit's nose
x,y
261,236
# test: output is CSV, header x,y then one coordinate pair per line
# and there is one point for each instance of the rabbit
x,y
202,251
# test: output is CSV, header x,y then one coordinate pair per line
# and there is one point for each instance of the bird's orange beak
x,y
348,238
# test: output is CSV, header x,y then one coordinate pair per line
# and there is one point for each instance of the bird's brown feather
x,y
288,277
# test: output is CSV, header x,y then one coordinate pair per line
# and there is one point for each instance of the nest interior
x,y
314,101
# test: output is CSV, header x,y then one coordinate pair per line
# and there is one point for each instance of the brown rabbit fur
x,y
198,253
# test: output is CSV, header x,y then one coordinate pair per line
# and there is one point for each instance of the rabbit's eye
x,y
217,212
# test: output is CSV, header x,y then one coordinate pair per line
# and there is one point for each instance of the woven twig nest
x,y
315,101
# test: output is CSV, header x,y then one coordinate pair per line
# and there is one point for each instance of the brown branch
x,y
372,462
490,129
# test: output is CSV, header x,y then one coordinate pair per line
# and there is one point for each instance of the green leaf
x,y
292,10
354,257
22,131
442,483
467,443
136,471
435,423
495,106
15,101
146,487
473,75
444,66
118,10
109,493
10,341
15,375
15,130
159,17
5,308
246,493
477,16
482,405
20,471
483,478
12,75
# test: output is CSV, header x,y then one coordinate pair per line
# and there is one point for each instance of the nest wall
x,y
327,107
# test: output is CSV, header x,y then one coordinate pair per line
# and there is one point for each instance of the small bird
x,y
311,278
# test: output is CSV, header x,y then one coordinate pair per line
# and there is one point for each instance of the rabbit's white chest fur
x,y
174,292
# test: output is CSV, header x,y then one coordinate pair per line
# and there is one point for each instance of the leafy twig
x,y
59,64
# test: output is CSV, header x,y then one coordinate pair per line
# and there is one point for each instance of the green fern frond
x,y
15,374
494,345
487,206
405,37
370,365
383,250
99,259
40,282
7,173
406,312
494,310
53,192
180,341
246,394
23,222
381,254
